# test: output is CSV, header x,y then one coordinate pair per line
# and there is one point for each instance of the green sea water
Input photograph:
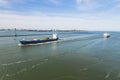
x,y
76,56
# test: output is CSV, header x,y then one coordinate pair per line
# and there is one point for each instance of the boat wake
x,y
18,62
80,38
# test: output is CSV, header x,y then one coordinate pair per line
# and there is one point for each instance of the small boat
x,y
106,35
38,41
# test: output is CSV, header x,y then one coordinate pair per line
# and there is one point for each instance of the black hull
x,y
23,42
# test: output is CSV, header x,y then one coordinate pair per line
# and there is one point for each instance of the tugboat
x,y
38,41
106,35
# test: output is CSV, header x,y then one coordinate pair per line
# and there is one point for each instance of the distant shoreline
x,y
32,30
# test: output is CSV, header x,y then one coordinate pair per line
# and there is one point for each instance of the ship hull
x,y
23,42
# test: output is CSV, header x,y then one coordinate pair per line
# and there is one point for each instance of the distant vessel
x,y
106,35
37,41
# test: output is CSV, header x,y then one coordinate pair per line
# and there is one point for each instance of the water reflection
x,y
54,49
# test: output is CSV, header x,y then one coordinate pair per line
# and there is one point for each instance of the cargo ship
x,y
38,41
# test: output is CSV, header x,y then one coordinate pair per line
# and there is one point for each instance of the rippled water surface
x,y
76,56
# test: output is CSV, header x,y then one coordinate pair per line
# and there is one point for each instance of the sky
x,y
93,15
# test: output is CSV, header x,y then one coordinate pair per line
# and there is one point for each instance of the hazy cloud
x,y
84,4
4,3
89,15
9,3
55,1
83,1
48,22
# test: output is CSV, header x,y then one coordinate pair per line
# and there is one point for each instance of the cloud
x,y
54,2
4,3
83,1
84,4
38,22
118,4
37,19
56,22
97,5
117,0
10,3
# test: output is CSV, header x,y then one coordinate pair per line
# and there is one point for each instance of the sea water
x,y
75,56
